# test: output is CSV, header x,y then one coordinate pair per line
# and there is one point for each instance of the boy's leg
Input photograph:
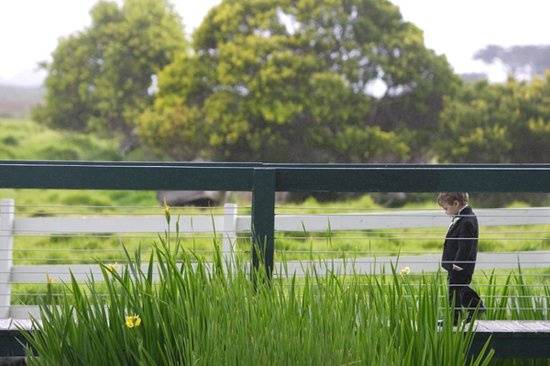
x,y
454,299
471,301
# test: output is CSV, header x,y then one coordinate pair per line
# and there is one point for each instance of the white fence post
x,y
7,214
229,234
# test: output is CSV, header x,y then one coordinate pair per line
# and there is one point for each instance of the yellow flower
x,y
405,271
112,267
133,321
166,211
50,279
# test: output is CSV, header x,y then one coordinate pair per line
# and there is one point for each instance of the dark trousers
x,y
461,295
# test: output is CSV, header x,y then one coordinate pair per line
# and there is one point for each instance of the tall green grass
x,y
211,313
214,315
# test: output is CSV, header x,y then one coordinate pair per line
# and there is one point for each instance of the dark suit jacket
x,y
460,246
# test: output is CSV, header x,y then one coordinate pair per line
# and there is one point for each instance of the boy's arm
x,y
464,245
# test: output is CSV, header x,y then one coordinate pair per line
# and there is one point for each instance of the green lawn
x,y
25,139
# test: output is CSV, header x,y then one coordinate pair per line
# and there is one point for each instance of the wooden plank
x,y
396,178
407,219
23,312
7,218
14,324
133,176
116,224
290,177
512,326
541,326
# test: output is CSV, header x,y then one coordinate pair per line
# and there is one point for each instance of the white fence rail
x,y
229,224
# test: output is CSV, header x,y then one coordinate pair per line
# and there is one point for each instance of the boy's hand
x,y
457,268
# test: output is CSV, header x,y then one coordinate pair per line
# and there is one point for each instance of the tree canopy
x,y
290,81
102,78
497,123
281,80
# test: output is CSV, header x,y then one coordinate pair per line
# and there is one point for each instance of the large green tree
x,y
497,123
102,78
282,80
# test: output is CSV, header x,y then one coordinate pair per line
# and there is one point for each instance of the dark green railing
x,y
263,180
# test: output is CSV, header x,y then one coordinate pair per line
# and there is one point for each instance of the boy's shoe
x,y
477,315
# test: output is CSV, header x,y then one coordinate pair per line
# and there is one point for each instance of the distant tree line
x,y
520,61
287,81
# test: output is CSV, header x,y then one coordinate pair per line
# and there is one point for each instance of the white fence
x,y
229,224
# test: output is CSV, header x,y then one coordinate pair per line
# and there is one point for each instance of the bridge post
x,y
7,214
263,220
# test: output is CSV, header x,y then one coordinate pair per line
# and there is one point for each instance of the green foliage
x,y
100,79
279,80
497,123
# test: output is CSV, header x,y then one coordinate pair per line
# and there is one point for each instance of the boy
x,y
460,252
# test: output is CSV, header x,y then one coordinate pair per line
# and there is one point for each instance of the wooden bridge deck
x,y
509,338
513,338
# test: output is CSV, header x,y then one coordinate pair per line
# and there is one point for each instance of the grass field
x,y
25,139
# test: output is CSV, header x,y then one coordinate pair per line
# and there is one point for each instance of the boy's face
x,y
451,209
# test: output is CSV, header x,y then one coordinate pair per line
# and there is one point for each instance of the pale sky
x,y
30,29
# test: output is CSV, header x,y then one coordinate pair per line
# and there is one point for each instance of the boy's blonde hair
x,y
450,197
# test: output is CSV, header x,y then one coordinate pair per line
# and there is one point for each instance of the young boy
x,y
460,252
